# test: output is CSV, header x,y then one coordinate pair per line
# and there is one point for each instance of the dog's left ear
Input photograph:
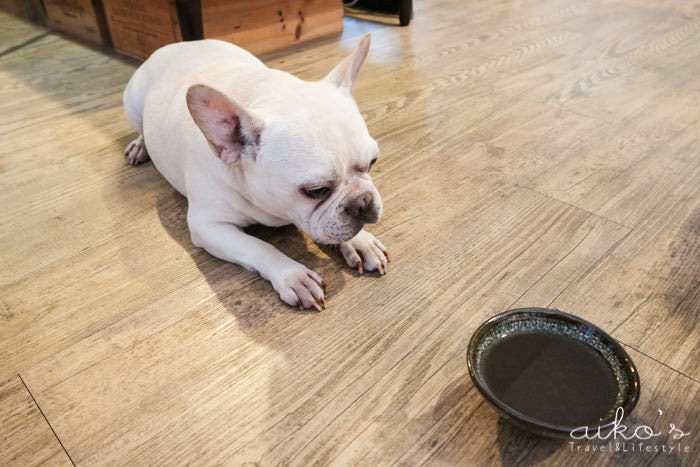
x,y
232,132
345,73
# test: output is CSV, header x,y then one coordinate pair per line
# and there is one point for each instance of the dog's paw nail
x,y
359,266
317,306
324,286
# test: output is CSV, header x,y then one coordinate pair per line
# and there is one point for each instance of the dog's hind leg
x,y
134,96
136,151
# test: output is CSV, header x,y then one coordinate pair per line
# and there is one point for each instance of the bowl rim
x,y
532,423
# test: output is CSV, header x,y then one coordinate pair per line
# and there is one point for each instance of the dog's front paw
x,y
365,252
300,286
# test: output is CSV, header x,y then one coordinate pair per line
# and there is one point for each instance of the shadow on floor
x,y
246,295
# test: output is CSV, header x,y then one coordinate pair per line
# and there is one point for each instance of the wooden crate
x,y
266,25
81,18
32,10
140,27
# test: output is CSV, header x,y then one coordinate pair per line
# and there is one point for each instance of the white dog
x,y
247,144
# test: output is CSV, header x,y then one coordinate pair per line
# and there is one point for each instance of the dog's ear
x,y
345,73
232,132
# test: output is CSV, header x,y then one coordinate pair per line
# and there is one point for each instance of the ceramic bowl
x,y
622,381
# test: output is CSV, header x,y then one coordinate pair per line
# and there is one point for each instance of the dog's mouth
x,y
332,225
337,234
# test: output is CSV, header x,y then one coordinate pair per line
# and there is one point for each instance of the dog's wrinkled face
x,y
305,157
317,168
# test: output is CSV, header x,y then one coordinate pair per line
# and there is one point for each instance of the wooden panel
x,y
25,437
139,28
79,18
33,10
270,24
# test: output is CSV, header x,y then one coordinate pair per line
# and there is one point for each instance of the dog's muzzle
x,y
363,209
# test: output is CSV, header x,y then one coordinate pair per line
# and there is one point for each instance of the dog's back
x,y
154,101
170,64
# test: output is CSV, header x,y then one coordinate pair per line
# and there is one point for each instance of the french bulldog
x,y
247,144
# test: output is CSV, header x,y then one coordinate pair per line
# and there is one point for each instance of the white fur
x,y
290,135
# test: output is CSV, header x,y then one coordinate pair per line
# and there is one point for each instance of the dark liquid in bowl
x,y
551,378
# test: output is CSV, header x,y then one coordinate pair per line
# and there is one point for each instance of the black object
x,y
403,8
551,372
189,14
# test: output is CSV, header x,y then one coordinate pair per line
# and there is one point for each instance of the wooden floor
x,y
534,153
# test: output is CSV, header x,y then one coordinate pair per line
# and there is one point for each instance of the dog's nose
x,y
362,208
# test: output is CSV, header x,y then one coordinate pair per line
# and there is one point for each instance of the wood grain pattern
x,y
138,30
271,24
16,32
534,153
25,437
83,19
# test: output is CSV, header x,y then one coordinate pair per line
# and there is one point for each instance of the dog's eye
x,y
316,193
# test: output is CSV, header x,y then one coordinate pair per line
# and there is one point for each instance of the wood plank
x,y
83,19
646,288
25,437
16,32
270,24
139,30
631,184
